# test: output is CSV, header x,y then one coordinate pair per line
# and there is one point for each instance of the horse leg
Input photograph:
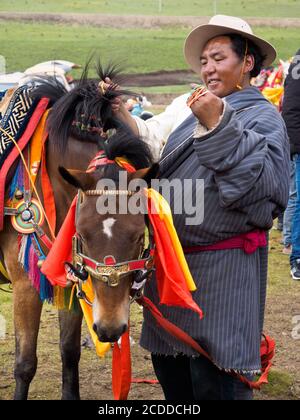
x,y
27,313
70,335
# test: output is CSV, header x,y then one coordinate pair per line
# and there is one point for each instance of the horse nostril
x,y
123,329
95,328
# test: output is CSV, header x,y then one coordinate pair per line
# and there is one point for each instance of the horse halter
x,y
109,271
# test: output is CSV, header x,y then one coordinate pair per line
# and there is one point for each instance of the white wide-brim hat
x,y
223,25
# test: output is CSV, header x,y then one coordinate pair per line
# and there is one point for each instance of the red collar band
x,y
101,159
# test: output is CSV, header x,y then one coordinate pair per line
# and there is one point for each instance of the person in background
x,y
290,210
291,116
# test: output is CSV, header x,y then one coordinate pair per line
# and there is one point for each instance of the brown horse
x,y
77,123
114,231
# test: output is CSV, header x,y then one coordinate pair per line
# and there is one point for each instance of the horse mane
x,y
48,87
83,112
125,144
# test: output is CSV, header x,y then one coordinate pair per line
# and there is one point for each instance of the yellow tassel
x,y
72,296
58,297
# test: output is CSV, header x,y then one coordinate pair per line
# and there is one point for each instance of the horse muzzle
x,y
109,335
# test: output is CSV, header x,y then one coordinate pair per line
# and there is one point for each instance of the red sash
x,y
249,242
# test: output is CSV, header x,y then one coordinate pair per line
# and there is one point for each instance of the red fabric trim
x,y
249,242
98,162
121,368
46,241
89,263
171,328
133,265
23,141
137,265
267,348
109,260
48,194
144,381
100,159
61,251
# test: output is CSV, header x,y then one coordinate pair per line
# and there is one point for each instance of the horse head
x,y
110,227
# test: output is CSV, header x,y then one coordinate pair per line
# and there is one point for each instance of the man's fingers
x,y
109,84
200,91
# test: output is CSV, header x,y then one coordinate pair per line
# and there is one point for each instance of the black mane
x,y
48,87
82,112
125,144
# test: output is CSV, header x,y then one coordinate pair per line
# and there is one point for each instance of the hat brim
x,y
198,38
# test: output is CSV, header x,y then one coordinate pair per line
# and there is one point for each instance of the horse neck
x,y
77,156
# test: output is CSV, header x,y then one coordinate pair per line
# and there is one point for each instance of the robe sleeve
x,y
156,130
250,162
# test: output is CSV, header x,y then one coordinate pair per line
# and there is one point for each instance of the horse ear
x,y
147,174
79,179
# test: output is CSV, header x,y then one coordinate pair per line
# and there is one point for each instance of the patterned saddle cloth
x,y
15,119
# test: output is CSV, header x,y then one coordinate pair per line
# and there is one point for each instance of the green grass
x,y
5,297
174,89
279,386
25,44
270,8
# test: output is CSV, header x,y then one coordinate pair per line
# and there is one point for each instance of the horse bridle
x,y
108,271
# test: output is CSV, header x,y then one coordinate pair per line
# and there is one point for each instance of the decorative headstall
x,y
109,271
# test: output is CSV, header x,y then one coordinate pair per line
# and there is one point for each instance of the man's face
x,y
220,67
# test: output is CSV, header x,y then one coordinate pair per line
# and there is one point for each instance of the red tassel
x,y
121,368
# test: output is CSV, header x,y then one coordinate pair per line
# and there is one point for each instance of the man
x,y
236,142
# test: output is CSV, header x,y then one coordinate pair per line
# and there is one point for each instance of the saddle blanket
x,y
15,119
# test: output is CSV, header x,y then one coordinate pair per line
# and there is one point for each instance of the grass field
x,y
141,51
270,8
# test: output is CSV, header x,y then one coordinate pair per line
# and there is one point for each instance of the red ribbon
x,y
121,368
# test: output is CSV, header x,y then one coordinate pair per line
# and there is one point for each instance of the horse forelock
x,y
125,144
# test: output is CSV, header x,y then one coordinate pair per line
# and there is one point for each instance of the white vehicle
x,y
10,80
56,68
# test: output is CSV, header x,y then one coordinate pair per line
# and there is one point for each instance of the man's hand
x,y
208,109
118,107
117,104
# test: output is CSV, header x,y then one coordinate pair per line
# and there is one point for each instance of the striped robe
x,y
244,163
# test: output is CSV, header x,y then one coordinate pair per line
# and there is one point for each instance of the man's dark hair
x,y
239,47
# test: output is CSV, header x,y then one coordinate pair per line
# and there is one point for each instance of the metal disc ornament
x,y
27,215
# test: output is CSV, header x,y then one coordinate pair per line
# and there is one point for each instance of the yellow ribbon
x,y
165,215
3,271
101,348
273,95
36,146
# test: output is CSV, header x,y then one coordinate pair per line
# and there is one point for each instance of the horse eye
x,y
141,238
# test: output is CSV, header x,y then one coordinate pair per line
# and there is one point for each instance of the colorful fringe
x,y
61,299
29,255
30,251
17,183
28,258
